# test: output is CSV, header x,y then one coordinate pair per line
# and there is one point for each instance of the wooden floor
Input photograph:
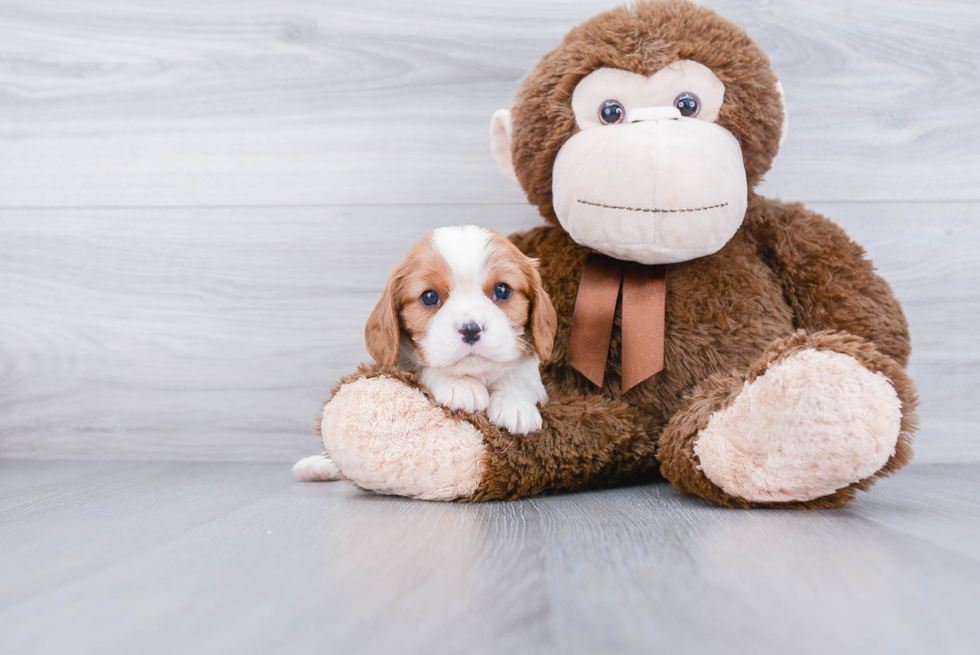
x,y
110,557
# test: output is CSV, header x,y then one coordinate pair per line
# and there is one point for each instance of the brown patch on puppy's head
x,y
529,309
643,39
399,311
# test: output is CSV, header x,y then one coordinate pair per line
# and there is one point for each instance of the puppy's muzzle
x,y
471,332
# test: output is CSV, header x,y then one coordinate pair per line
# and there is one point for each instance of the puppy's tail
x,y
319,468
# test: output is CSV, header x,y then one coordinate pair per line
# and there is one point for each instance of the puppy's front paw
x,y
461,393
513,413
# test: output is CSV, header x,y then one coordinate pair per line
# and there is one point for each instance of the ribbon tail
x,y
644,309
592,321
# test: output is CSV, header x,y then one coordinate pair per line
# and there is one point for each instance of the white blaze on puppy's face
x,y
469,310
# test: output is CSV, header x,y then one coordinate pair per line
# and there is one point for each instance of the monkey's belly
x,y
722,312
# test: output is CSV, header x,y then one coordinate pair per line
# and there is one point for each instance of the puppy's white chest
x,y
509,394
484,371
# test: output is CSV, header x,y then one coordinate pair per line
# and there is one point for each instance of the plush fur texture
x,y
385,435
788,282
642,39
811,424
720,391
656,187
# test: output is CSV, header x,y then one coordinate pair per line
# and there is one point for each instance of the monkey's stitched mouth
x,y
654,211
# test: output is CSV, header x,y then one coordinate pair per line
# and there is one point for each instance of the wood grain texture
x,y
208,333
299,103
215,334
39,501
199,202
206,557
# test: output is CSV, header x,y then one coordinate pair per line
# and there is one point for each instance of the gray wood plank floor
x,y
113,557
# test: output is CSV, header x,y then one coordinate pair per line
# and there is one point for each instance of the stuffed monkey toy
x,y
740,347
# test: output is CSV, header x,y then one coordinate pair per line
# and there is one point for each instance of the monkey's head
x,y
642,133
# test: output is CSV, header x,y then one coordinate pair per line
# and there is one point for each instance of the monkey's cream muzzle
x,y
656,189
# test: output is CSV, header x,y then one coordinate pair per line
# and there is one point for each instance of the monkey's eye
x,y
501,292
688,104
612,112
430,298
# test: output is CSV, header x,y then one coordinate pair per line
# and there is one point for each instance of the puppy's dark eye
x,y
612,112
688,104
430,298
501,292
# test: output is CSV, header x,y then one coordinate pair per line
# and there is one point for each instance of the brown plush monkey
x,y
742,347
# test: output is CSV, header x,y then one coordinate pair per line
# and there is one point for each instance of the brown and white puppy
x,y
465,309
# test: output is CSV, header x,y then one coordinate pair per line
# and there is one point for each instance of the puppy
x,y
466,311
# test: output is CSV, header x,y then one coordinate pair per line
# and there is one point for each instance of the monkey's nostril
x,y
471,332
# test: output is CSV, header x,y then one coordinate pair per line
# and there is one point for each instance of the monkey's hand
x,y
387,435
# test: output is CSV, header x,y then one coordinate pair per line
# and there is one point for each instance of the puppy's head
x,y
463,293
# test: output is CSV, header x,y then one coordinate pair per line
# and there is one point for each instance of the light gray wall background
x,y
199,201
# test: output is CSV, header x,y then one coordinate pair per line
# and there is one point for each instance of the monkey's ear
x,y
382,332
785,127
500,143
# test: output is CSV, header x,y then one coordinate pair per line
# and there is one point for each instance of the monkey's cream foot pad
x,y
815,422
388,437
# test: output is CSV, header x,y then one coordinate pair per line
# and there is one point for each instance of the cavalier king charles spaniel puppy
x,y
466,311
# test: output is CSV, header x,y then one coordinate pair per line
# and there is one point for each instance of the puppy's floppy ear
x,y
544,320
382,332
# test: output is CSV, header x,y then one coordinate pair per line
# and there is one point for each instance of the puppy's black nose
x,y
470,332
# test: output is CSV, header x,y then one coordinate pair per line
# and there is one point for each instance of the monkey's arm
x,y
585,442
826,278
387,434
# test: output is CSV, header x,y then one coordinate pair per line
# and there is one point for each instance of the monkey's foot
x,y
816,416
813,423
388,436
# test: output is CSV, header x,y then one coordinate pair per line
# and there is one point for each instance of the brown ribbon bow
x,y
644,301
